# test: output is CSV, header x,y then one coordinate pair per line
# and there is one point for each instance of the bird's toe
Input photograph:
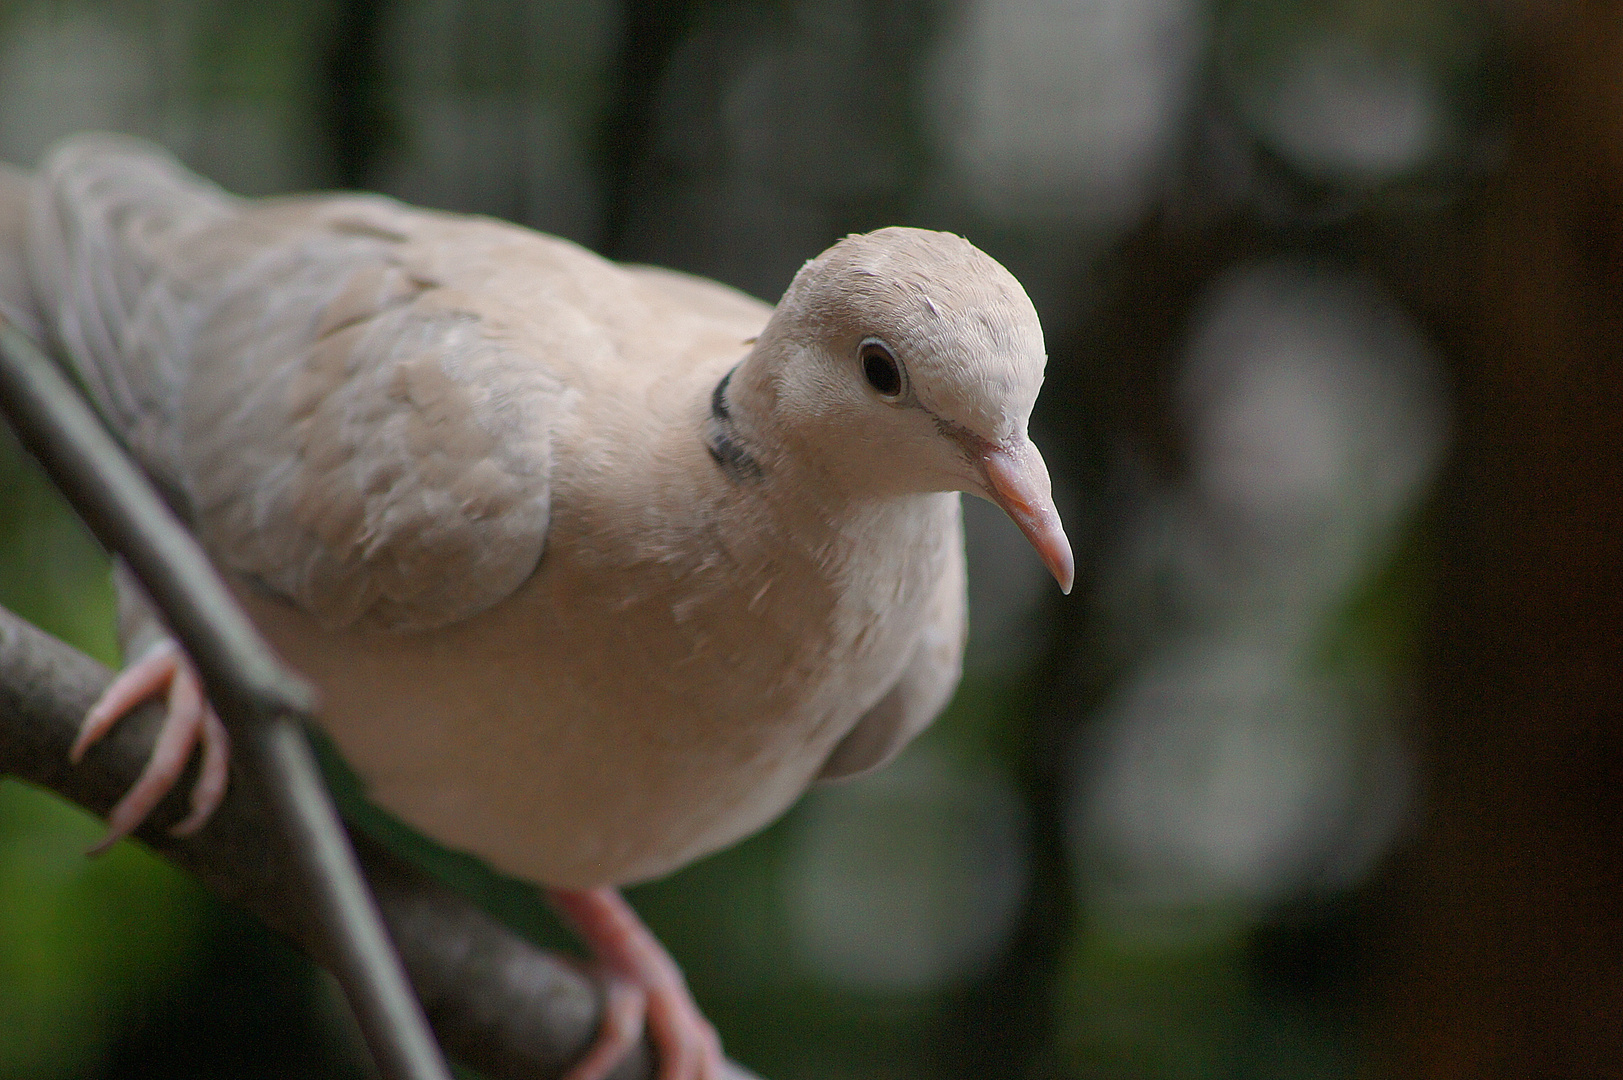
x,y
209,790
686,1042
140,680
625,1007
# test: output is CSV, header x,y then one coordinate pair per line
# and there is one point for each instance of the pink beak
x,y
1017,480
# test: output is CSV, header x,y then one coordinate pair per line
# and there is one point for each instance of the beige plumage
x,y
597,566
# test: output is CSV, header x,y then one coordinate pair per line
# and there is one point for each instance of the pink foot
x,y
189,720
644,983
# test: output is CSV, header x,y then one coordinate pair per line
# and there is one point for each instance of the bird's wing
x,y
343,424
16,294
925,685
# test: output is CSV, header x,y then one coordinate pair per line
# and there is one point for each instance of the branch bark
x,y
498,1004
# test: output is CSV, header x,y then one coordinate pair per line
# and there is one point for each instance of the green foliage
x,y
52,572
86,944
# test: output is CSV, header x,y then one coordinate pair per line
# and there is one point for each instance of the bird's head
x,y
905,360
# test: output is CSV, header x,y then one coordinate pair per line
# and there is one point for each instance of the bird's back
x,y
104,218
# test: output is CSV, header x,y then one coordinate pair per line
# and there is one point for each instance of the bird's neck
x,y
726,440
757,446
750,444
746,430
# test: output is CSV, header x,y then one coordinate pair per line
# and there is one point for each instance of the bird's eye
x,y
880,368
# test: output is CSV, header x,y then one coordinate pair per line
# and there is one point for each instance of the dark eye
x,y
879,367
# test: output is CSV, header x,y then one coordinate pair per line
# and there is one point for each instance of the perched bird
x,y
597,567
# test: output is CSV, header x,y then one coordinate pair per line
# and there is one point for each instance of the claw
x,y
188,721
687,1044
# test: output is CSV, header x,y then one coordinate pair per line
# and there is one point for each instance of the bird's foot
x,y
189,721
644,985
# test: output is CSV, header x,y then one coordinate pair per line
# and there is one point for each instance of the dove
x,y
597,567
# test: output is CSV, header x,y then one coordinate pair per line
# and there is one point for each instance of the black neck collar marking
x,y
722,440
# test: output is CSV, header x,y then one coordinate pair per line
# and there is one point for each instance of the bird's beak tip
x,y
1017,480
1055,551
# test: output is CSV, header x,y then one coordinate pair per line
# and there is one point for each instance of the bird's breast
x,y
624,713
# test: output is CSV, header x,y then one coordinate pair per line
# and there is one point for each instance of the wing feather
x,y
350,431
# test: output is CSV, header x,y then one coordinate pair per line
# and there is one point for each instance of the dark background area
x,y
1315,775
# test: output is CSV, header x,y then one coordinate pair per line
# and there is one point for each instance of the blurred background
x,y
1318,772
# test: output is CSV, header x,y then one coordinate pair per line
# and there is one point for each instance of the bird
x,y
597,566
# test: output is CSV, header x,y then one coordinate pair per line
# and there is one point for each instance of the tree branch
x,y
497,1003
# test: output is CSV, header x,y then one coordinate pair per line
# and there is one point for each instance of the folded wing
x,y
342,422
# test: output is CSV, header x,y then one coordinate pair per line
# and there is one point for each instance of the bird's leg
x,y
189,721
644,979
